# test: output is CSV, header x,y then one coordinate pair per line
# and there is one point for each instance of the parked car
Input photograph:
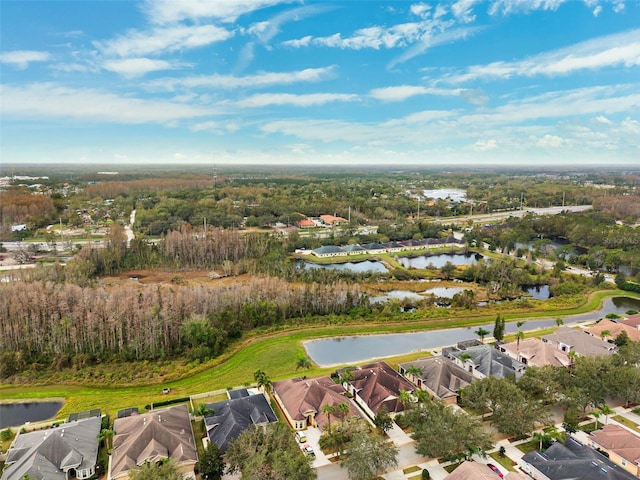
x,y
309,451
495,469
301,436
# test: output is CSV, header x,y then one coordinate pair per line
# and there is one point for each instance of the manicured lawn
x,y
529,446
589,427
505,461
627,423
411,470
275,352
452,467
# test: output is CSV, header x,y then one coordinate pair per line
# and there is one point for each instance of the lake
x,y
539,292
358,267
16,414
355,349
439,261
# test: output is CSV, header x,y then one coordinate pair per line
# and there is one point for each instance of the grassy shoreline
x,y
274,352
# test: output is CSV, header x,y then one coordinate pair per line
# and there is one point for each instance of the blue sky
x,y
518,82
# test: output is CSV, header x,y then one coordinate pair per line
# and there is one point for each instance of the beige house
x,y
301,401
622,446
439,376
155,436
608,330
533,352
479,471
567,339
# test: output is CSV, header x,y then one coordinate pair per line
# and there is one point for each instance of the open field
x,y
274,352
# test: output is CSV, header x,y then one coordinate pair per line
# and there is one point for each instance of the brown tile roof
x,y
378,384
536,352
305,397
614,328
618,440
158,434
472,471
632,321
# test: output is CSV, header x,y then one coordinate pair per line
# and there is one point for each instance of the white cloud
x,y
260,80
298,43
550,141
308,100
48,100
266,30
22,58
607,51
397,94
135,67
422,10
603,119
169,11
507,7
463,10
160,40
484,145
618,6
597,10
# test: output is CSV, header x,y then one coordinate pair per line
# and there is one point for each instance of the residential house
x,y
305,223
234,416
479,471
622,446
67,451
333,220
571,460
484,361
302,400
152,437
533,352
632,321
439,376
375,386
567,340
607,329
328,251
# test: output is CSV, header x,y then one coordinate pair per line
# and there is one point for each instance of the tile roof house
x,y
608,330
622,446
333,220
485,361
439,376
567,339
571,461
69,450
377,385
302,400
234,416
632,321
306,223
470,470
533,352
154,436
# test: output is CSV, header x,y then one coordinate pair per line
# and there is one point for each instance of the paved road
x,y
492,217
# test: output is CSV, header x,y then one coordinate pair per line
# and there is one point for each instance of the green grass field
x,y
273,352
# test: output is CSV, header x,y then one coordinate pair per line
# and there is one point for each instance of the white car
x,y
309,451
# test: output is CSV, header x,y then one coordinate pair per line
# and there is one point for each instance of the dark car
x,y
495,469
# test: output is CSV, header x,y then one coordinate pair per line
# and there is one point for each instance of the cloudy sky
x,y
519,82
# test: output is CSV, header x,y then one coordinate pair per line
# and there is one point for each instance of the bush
x,y
425,474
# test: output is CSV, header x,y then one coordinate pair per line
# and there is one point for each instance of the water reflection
x,y
15,414
354,349
439,261
357,267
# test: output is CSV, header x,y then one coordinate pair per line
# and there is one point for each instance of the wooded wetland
x,y
188,280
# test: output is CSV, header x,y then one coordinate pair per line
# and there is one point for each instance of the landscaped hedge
x,y
167,402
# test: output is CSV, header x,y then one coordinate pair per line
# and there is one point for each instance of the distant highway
x,y
492,217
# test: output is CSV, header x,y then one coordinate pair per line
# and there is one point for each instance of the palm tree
x,y
414,371
604,334
328,410
572,357
482,332
405,398
262,380
559,322
343,410
542,437
422,396
303,362
596,415
519,336
606,410
203,410
106,434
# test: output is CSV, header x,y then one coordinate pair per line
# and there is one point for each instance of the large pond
x,y
354,349
439,261
16,414
358,267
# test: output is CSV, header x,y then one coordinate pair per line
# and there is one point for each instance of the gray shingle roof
x,y
50,453
234,416
441,375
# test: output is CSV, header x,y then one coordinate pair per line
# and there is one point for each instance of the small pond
x,y
444,292
354,349
358,267
397,295
439,261
16,414
539,292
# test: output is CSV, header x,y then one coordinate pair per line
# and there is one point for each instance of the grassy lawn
x,y
529,446
636,411
589,427
505,461
273,351
411,470
452,467
627,423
